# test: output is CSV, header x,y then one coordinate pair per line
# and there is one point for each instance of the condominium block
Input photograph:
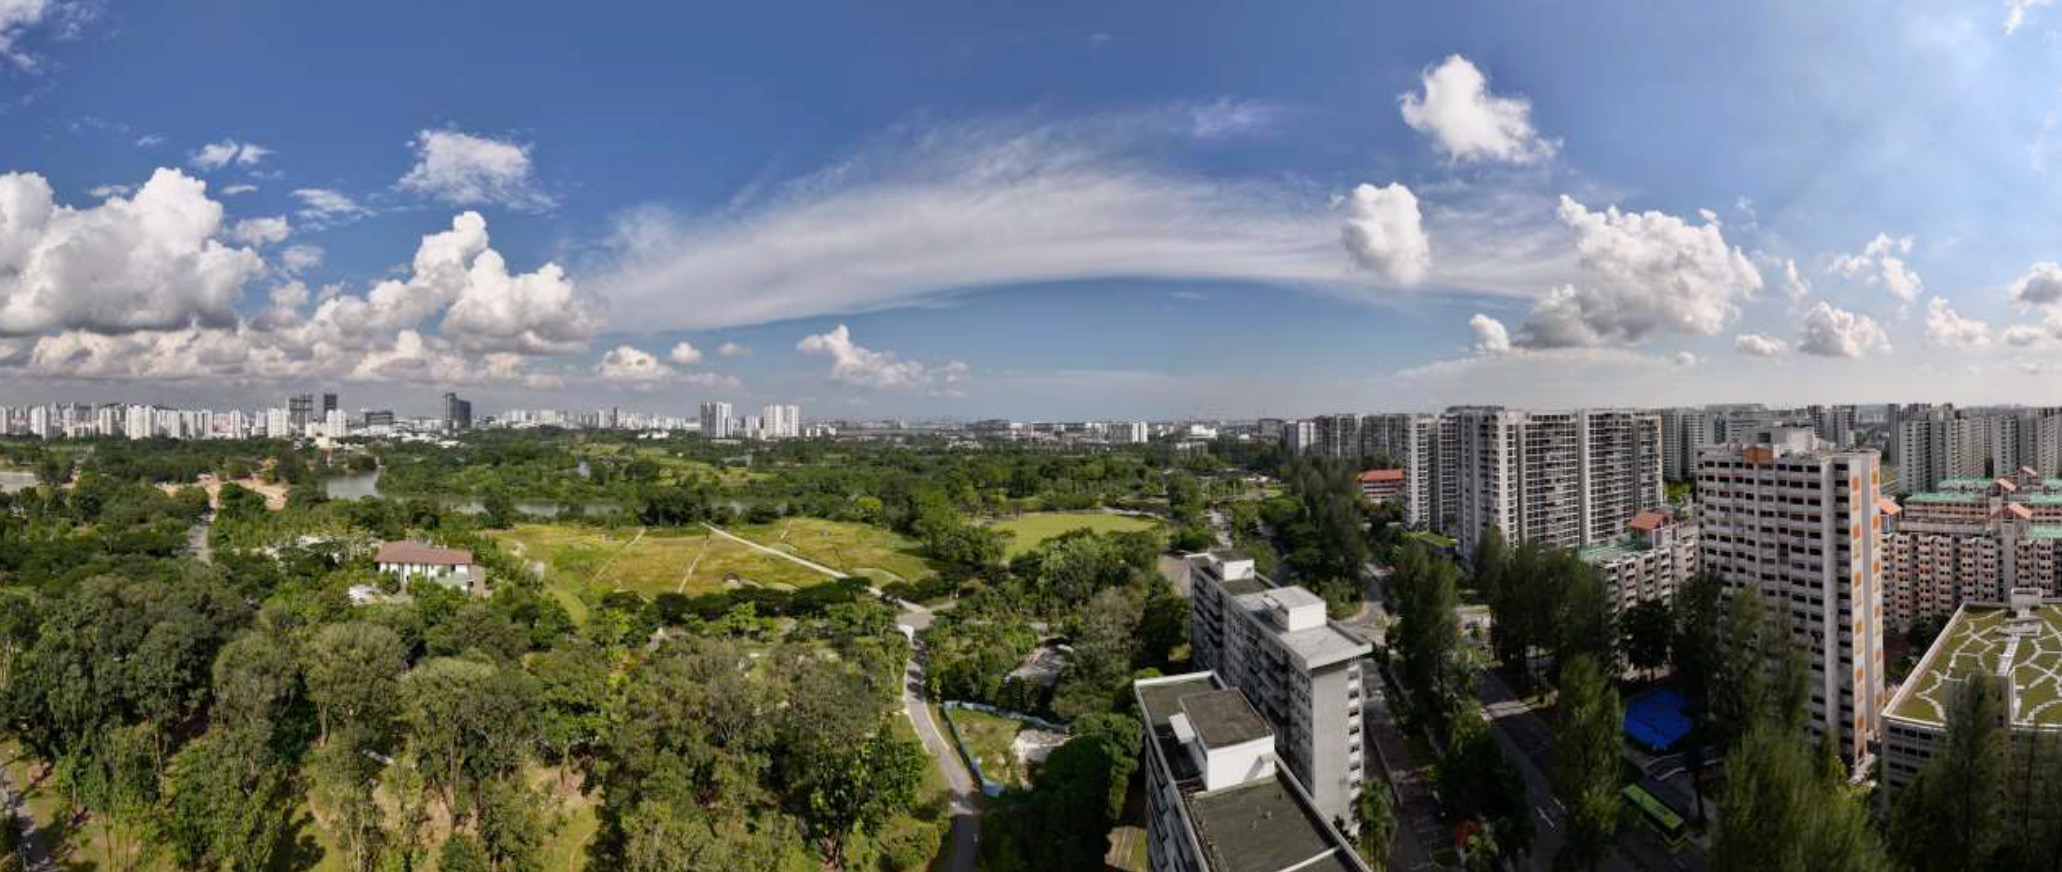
x,y
1973,540
1559,479
1789,518
1217,795
2016,643
1684,432
1654,559
1300,669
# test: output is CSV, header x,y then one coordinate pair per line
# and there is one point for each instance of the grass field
x,y
859,549
680,470
583,562
988,739
1037,527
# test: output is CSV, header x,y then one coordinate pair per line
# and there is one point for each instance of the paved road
x,y
1418,826
1524,734
966,798
35,846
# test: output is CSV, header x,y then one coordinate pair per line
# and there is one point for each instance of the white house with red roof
x,y
451,567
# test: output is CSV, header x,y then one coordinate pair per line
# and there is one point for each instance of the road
x,y
1522,733
35,845
966,798
1418,826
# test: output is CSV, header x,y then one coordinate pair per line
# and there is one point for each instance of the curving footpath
x,y
966,798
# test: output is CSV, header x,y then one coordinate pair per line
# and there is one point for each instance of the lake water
x,y
366,484
16,480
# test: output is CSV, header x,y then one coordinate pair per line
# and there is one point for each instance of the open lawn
x,y
858,549
582,562
1037,527
989,739
679,470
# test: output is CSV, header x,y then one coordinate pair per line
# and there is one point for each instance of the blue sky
x,y
1055,210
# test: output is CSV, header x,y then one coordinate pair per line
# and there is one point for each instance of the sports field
x,y
1035,528
587,560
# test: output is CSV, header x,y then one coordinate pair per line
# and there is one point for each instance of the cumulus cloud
x,y
1946,328
1759,345
1881,263
19,17
151,262
1467,123
855,365
1795,285
103,192
327,207
490,308
684,354
461,169
216,155
300,258
258,232
2015,13
2023,335
1385,233
628,364
733,349
2041,286
1490,336
1830,332
1653,273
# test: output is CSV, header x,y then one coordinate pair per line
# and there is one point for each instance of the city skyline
x,y
1420,208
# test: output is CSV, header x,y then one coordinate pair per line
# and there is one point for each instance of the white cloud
x,y
684,354
1229,117
216,155
1385,233
257,232
237,190
628,364
327,207
1686,359
1654,273
1760,345
2015,12
733,349
102,192
1490,336
1945,328
149,140
952,209
1881,263
855,365
1467,123
151,262
465,170
2041,286
19,17
1797,286
300,258
491,309
2023,335
1830,332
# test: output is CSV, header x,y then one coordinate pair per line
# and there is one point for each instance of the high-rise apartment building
x,y
716,420
1561,479
300,409
1683,433
1337,437
1795,521
458,413
1218,797
780,422
1387,436
1974,540
1654,559
1298,437
329,403
1834,425
1301,670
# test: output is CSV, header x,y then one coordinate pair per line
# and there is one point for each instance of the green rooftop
x,y
2044,531
2044,499
1605,552
1952,483
1975,641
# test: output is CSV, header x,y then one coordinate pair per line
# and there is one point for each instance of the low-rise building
x,y
1218,798
1383,485
451,567
2016,643
1654,559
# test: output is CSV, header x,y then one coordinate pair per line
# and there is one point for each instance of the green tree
x,y
1952,815
1781,814
573,685
1586,724
353,672
462,852
228,801
468,724
876,779
1645,631
1375,812
498,509
1427,629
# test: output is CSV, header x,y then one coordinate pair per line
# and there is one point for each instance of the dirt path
x,y
811,564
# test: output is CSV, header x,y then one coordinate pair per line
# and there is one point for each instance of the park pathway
x,y
966,797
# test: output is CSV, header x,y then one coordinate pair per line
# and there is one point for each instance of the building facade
x,y
716,420
1791,519
1973,540
1301,670
1559,479
1654,559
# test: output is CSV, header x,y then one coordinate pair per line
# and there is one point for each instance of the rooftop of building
x,y
1318,646
1605,552
1263,826
1939,497
420,554
1223,718
1977,640
1379,476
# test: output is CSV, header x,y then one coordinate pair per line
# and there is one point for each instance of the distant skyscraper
x,y
329,404
300,409
458,413
716,420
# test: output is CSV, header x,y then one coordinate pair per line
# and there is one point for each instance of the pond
x,y
12,480
366,484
